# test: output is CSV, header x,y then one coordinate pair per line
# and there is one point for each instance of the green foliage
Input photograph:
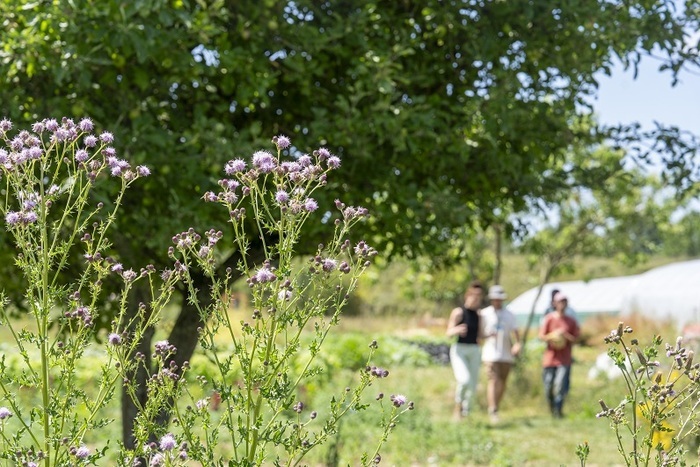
x,y
449,111
347,351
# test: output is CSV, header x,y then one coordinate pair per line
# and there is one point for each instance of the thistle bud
x,y
642,358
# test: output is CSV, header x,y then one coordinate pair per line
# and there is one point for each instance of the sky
x,y
649,98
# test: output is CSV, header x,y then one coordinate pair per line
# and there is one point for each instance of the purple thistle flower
x,y
284,295
398,400
229,197
282,142
13,218
290,167
86,125
167,442
157,460
5,125
310,205
264,274
38,127
90,141
106,137
323,154
82,452
51,124
5,413
333,162
16,143
229,184
81,155
329,264
361,249
202,404
305,160
110,152
351,212
234,166
35,153
264,161
29,217
210,197
118,268
162,346
32,141
281,197
129,275
143,171
61,134
114,339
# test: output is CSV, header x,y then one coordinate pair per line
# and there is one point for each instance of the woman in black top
x,y
465,355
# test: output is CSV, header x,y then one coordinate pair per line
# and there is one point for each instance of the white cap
x,y
496,292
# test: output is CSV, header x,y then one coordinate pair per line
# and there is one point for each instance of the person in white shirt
x,y
501,346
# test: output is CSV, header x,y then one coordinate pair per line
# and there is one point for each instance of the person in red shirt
x,y
560,332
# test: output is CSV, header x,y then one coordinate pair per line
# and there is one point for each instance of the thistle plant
x,y
49,209
657,417
51,212
264,418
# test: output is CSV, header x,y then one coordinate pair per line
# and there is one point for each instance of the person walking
x,y
552,306
465,355
501,346
559,331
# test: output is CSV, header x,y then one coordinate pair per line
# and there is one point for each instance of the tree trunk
x,y
185,334
498,252
531,316
138,378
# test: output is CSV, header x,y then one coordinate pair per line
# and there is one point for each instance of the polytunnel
x,y
666,292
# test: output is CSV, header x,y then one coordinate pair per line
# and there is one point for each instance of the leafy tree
x,y
442,111
606,210
682,238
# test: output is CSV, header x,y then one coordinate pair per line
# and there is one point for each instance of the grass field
x,y
427,436
526,434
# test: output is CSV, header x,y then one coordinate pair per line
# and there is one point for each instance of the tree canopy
x,y
441,111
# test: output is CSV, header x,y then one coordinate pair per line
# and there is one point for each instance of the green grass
x,y
526,434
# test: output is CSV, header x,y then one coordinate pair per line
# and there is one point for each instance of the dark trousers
x,y
556,386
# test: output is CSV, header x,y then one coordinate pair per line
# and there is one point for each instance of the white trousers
x,y
465,360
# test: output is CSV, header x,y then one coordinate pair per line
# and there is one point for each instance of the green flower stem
x,y
43,329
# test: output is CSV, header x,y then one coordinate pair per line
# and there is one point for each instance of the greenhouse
x,y
667,292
